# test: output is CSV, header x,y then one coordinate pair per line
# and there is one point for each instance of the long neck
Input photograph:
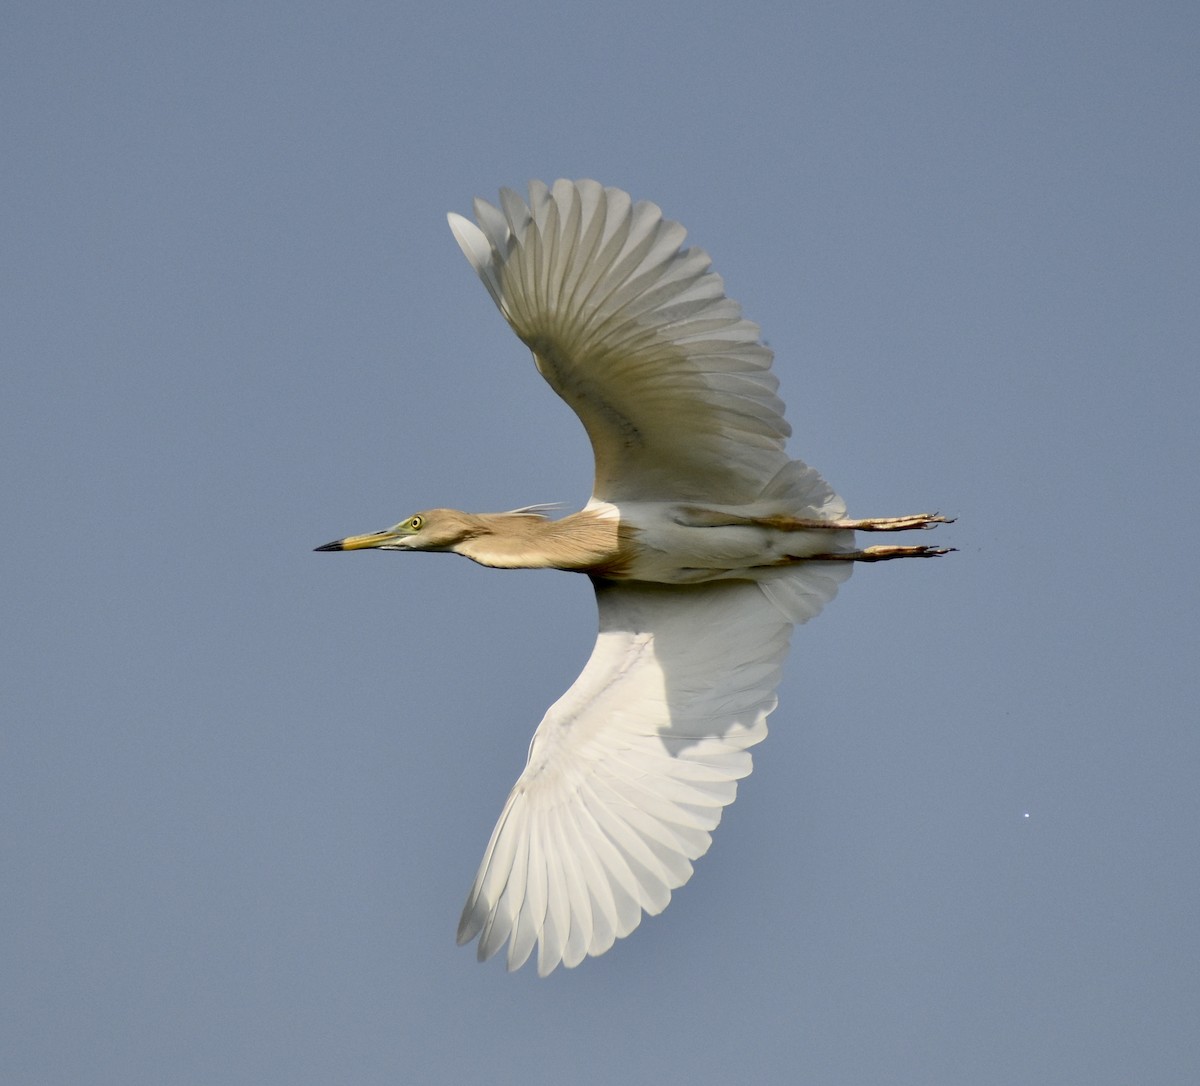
x,y
584,542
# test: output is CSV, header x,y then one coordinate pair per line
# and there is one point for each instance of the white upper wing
x,y
629,771
670,382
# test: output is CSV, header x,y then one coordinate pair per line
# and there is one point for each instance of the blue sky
x,y
244,787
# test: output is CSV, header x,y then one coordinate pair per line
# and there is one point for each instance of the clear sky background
x,y
244,787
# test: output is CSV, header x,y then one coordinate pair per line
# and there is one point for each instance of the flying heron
x,y
704,542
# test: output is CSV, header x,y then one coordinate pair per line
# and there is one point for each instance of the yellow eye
x,y
416,523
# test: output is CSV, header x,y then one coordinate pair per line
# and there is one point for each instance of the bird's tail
x,y
802,589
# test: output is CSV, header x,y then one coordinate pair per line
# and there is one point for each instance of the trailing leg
x,y
877,554
699,517
869,524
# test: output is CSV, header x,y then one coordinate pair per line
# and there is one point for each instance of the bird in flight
x,y
705,544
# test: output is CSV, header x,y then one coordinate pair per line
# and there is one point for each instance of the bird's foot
x,y
897,524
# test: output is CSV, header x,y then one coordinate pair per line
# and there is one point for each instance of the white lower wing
x,y
629,770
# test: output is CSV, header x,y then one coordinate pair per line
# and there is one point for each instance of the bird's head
x,y
429,530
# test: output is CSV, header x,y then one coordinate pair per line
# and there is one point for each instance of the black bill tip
x,y
336,545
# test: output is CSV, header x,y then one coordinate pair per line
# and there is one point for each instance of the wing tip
x,y
473,242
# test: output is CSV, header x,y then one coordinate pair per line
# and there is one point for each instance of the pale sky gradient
x,y
244,787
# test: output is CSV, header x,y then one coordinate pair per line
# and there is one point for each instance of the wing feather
x,y
636,334
562,897
579,908
530,919
629,771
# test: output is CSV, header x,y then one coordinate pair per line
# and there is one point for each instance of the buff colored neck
x,y
584,542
